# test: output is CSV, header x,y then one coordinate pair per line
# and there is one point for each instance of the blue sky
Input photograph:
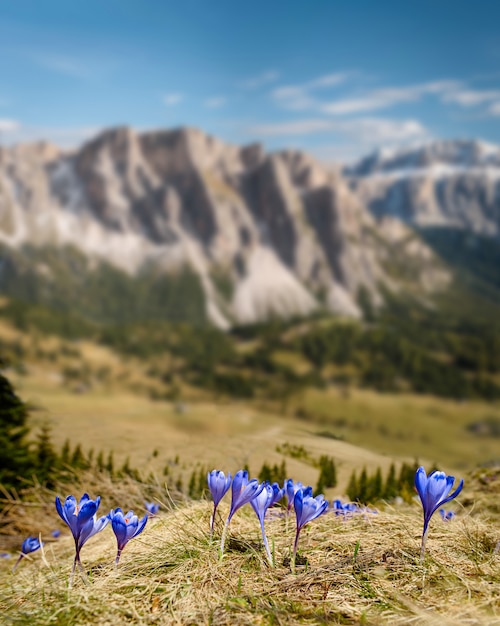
x,y
335,78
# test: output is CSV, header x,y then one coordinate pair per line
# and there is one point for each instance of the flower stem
x,y
118,554
17,562
72,575
266,546
223,538
295,546
212,521
422,547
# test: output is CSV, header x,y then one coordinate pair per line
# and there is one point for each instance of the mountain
x,y
454,184
161,215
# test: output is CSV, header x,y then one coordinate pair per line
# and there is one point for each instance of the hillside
x,y
326,386
360,570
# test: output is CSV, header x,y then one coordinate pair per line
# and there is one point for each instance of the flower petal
x,y
141,526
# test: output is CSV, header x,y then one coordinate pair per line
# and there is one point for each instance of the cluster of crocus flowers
x,y
434,491
83,522
344,509
347,510
262,497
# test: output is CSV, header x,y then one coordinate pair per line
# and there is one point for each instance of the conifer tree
x,y
77,458
46,457
391,484
202,482
15,458
192,491
65,453
282,473
110,464
320,485
352,487
125,469
265,472
363,487
100,461
327,473
375,490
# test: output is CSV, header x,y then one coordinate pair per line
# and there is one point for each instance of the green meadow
x,y
190,401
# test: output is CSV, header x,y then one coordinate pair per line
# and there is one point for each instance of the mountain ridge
x,y
443,183
288,235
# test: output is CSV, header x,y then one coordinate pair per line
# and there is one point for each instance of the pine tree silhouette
x,y
16,461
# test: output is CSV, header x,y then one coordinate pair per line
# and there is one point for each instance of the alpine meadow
x,y
249,313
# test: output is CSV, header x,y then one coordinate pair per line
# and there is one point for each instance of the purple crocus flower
x,y
346,509
290,488
306,508
278,493
82,521
152,508
31,544
125,527
242,492
56,533
434,491
219,485
269,495
446,516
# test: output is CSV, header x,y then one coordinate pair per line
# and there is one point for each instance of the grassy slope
x,y
359,571
115,413
172,575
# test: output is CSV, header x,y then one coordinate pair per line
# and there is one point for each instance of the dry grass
x,y
116,412
360,571
408,424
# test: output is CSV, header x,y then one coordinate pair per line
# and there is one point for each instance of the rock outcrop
x,y
283,233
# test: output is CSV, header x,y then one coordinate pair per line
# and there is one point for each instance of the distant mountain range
x,y
168,214
445,183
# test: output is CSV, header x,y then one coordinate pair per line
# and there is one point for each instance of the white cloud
x,y
335,154
387,97
471,97
9,126
306,96
368,131
172,99
494,109
300,98
299,127
216,102
380,131
329,80
263,79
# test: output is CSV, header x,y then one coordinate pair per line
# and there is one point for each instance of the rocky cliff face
x,y
448,183
282,234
